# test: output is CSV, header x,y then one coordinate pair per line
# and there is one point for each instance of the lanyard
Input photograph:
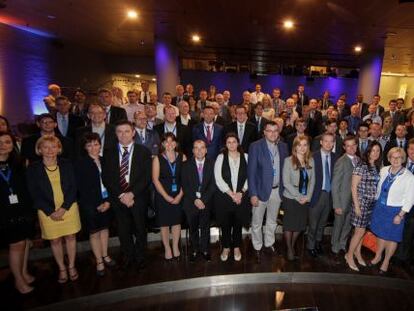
x,y
167,130
172,166
6,178
391,178
272,156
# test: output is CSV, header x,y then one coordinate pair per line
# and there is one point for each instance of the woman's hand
x,y
176,200
303,200
103,207
397,219
58,214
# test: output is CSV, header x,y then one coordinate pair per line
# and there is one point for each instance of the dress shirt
x,y
142,134
323,157
142,94
256,97
211,125
399,141
160,111
234,169
241,127
375,118
185,120
170,128
63,128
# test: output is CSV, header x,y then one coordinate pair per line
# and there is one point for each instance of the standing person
x,y
94,201
113,113
126,175
341,196
198,186
16,221
299,182
231,201
365,178
395,198
144,136
166,177
52,186
265,167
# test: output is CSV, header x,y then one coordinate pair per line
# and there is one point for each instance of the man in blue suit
x,y
265,166
209,132
144,136
321,202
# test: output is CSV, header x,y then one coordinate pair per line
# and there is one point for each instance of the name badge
x,y
274,172
105,194
198,195
127,178
13,199
174,188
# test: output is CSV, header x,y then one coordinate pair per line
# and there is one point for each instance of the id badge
x,y
174,188
198,195
127,178
105,194
274,172
13,199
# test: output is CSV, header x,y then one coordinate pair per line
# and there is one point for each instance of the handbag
x,y
370,241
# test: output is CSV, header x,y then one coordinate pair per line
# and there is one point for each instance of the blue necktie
x,y
411,167
64,126
327,183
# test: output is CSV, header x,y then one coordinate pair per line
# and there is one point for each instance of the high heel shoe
x,y
361,262
64,279
237,255
354,268
224,255
101,272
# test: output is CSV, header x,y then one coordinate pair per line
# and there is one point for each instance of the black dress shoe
x,y
383,272
270,250
318,249
258,256
313,253
193,257
207,256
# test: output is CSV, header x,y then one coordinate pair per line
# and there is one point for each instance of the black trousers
x,y
199,227
130,224
404,249
231,229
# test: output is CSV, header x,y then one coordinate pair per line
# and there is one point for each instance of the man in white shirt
x,y
145,94
133,105
184,118
279,104
256,96
167,102
375,131
159,106
226,98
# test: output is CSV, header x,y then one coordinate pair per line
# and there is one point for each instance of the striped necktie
x,y
123,172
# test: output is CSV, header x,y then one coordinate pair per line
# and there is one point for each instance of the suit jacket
x,y
341,183
314,126
190,183
353,124
249,135
175,100
74,123
300,104
41,190
317,159
410,132
260,170
338,144
399,117
152,141
110,139
183,137
220,120
140,174
28,151
260,127
364,110
116,114
346,111
213,148
191,123
391,144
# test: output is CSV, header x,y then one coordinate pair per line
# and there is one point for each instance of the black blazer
x,y
140,174
116,114
259,128
183,137
317,160
152,141
249,135
316,145
28,151
189,183
314,126
191,122
41,190
75,122
88,182
109,141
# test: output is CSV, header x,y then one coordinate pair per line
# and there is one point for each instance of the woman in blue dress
x,y
395,197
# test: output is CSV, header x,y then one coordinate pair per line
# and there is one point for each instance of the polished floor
x,y
328,284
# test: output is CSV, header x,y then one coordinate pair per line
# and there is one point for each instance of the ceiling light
x,y
358,49
153,79
132,14
137,76
196,38
288,24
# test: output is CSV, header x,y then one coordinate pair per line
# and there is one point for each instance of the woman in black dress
x,y
16,215
166,172
93,201
232,205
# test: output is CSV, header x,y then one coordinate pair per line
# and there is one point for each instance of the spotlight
x,y
153,79
288,24
137,76
196,38
358,49
132,14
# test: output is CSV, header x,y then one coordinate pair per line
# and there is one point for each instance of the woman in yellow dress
x,y
52,186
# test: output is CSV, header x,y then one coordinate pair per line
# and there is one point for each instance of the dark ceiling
x,y
233,30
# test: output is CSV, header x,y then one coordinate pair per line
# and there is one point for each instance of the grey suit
x,y
342,198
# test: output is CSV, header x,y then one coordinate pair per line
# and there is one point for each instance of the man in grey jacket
x,y
341,194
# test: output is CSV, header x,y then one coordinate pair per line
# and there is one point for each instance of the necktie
x,y
145,98
363,146
401,144
411,167
355,161
123,172
327,182
208,134
142,136
259,120
64,126
241,132
200,172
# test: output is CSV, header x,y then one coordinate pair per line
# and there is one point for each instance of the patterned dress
x,y
366,190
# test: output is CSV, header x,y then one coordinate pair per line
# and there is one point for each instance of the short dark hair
x,y
363,124
61,97
124,122
45,116
103,90
348,138
90,137
271,123
258,104
330,121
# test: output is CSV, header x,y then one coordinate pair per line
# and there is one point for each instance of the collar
x,y
121,147
208,124
238,124
200,162
324,153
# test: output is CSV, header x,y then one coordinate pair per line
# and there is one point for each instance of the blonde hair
x,y
45,139
308,155
397,150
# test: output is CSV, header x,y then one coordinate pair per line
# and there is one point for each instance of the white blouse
x,y
234,170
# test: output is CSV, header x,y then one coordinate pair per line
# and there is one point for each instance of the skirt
x,y
382,222
55,229
295,216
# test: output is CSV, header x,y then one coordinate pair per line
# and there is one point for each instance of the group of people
x,y
192,159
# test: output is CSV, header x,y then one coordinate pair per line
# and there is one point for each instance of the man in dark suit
x,y
376,101
47,126
342,108
265,167
67,123
314,119
126,175
330,127
362,138
321,202
180,131
258,120
113,113
246,131
326,100
303,99
97,115
198,185
209,132
300,126
397,117
186,117
362,106
144,136
179,90
399,141
151,113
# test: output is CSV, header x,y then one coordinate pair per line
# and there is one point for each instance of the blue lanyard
x,y
391,178
166,130
172,166
272,156
6,178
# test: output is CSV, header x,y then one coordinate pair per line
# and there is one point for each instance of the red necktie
x,y
208,134
123,171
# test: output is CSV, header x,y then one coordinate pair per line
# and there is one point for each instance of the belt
x,y
275,187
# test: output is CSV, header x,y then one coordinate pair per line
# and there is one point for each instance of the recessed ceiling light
x,y
141,42
196,38
288,24
137,76
358,49
51,16
153,79
132,14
